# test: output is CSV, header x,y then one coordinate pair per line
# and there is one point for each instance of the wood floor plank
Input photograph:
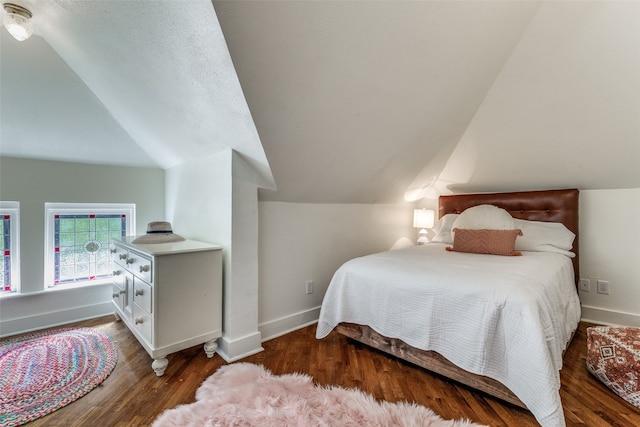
x,y
133,396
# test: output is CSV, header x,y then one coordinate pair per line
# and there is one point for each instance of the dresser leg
x,y
210,348
159,365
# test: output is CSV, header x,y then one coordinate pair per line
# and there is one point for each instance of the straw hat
x,y
158,232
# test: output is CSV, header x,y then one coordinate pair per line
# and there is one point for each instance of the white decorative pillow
x,y
541,236
485,217
443,229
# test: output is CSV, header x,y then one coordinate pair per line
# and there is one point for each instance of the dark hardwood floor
x,y
134,396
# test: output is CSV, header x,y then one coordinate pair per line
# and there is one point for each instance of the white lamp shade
x,y
423,218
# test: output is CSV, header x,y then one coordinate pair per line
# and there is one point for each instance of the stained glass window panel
x,y
5,246
81,245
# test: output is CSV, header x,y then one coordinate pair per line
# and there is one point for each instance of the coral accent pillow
x,y
484,241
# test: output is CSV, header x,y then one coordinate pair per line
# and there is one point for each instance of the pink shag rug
x,y
244,394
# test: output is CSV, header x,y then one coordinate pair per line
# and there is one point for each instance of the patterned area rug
x,y
243,394
44,371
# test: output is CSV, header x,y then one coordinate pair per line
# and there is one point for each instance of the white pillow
x,y
485,217
443,229
538,236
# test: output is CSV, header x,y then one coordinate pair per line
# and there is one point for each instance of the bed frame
x,y
548,205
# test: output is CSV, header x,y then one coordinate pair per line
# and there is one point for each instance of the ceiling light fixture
x,y
17,20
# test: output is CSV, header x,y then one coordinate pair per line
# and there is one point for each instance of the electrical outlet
x,y
585,285
603,287
309,288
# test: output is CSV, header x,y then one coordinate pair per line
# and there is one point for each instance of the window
x,y
9,245
78,240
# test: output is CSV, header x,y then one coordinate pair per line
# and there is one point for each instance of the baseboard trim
x,y
233,350
603,316
284,325
54,318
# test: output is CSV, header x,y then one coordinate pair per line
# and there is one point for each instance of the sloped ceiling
x,y
565,109
49,113
352,99
372,101
362,101
147,83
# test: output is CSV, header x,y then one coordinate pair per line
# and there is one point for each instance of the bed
x,y
499,324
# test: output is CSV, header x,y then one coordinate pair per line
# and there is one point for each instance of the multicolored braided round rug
x,y
44,371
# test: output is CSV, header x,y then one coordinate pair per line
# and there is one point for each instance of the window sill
x,y
87,284
57,288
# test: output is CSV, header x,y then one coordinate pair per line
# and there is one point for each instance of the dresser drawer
x,y
140,266
118,296
143,323
118,274
142,295
119,256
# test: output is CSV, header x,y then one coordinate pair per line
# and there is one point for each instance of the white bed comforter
x,y
508,318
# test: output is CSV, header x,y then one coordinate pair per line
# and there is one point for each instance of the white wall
x,y
215,200
35,182
242,336
271,248
609,250
300,242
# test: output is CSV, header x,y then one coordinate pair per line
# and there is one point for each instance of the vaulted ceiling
x,y
138,83
336,101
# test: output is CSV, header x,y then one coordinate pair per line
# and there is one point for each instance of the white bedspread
x,y
508,318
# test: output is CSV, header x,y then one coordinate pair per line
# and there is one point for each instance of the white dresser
x,y
169,295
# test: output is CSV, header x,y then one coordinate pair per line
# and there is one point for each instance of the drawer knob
x,y
112,250
116,295
116,272
129,261
122,256
139,292
144,268
138,320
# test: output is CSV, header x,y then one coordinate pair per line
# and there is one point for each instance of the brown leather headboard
x,y
547,205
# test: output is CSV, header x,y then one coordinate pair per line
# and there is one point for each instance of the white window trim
x,y
53,209
13,209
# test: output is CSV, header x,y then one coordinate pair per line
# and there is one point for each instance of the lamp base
x,y
423,239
